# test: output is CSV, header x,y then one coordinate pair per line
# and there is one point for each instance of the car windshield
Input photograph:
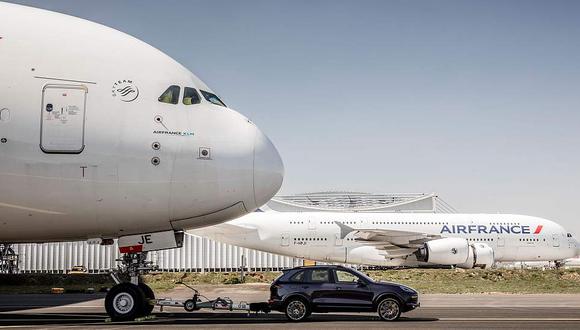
x,y
210,97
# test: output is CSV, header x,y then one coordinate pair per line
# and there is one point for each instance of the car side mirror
x,y
361,283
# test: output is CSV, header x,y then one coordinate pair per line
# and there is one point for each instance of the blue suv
x,y
300,291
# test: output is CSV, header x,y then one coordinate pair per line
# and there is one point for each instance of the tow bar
x,y
196,303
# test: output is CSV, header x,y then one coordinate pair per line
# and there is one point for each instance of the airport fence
x,y
198,254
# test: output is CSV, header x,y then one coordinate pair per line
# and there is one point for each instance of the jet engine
x,y
444,251
480,255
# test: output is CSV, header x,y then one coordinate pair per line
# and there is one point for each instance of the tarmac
x,y
475,311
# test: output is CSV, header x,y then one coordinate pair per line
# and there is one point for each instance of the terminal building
x,y
200,254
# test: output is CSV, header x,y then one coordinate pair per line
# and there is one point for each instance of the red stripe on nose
x,y
538,229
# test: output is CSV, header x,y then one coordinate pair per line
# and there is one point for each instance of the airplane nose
x,y
268,169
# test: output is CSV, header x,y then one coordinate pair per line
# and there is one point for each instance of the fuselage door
x,y
555,240
500,241
338,241
285,239
311,224
62,123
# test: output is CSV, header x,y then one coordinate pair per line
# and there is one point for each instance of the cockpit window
x,y
171,95
190,96
212,98
569,235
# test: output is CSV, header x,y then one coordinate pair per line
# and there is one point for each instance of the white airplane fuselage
x,y
90,148
316,236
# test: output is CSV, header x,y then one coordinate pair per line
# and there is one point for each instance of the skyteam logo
x,y
125,90
493,229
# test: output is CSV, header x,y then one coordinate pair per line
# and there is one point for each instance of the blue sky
x,y
477,101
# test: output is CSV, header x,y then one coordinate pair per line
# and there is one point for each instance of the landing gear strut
x,y
127,301
8,259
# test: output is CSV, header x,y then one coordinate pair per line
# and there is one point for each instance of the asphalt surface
x,y
437,311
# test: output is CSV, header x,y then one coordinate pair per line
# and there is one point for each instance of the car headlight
x,y
407,289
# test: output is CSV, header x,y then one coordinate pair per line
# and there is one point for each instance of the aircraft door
x,y
285,239
337,240
311,224
555,240
500,241
63,119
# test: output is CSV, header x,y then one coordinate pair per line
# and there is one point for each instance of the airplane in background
x,y
103,136
399,239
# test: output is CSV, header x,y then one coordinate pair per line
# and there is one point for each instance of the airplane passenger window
x,y
171,95
190,96
212,98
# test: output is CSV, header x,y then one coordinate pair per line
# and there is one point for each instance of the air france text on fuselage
x,y
492,229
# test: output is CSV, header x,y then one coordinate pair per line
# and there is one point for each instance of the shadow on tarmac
x,y
195,318
19,302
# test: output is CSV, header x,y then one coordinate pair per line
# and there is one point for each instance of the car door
x,y
320,288
351,292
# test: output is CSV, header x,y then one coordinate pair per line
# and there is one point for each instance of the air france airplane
x,y
399,239
102,136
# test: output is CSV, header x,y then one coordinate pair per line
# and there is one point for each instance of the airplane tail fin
x,y
344,229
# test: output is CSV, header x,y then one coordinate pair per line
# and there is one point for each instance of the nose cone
x,y
268,169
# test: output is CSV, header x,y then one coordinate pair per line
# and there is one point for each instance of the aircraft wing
x,y
222,230
395,243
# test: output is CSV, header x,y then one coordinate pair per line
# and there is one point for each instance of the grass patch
x,y
484,281
425,280
167,281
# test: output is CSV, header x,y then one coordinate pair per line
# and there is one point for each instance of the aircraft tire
x,y
125,302
149,294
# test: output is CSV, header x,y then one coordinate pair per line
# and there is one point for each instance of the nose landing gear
x,y
127,301
8,259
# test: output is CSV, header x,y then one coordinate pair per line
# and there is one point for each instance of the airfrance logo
x,y
493,229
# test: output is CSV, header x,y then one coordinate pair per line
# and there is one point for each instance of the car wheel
x,y
125,302
297,309
389,309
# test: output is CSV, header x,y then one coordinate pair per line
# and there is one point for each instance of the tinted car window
x,y
319,276
298,277
345,277
171,95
